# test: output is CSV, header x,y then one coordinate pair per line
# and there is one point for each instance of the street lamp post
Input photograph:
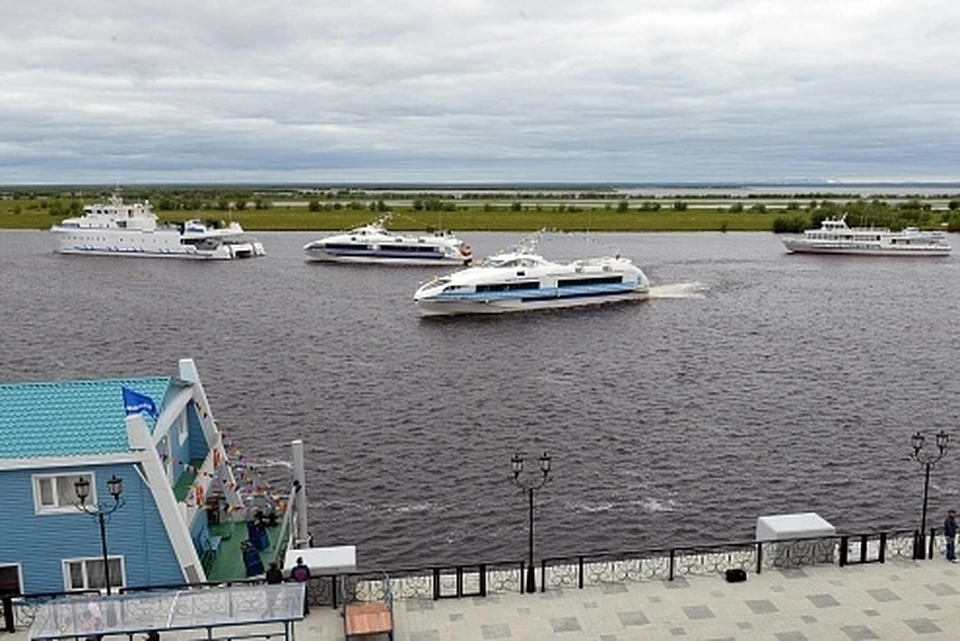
x,y
101,511
530,483
927,459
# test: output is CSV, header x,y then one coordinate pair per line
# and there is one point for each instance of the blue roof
x,y
69,418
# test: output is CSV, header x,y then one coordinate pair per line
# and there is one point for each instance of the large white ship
x,y
835,237
121,229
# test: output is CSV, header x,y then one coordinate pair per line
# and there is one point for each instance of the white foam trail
x,y
679,290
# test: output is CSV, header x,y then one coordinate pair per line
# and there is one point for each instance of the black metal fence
x,y
481,579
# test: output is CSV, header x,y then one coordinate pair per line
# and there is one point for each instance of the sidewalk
x,y
899,600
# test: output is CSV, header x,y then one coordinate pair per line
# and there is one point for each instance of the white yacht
x,y
121,229
835,237
522,280
374,244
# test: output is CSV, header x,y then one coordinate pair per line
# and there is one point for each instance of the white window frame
x,y
19,573
86,580
183,427
40,508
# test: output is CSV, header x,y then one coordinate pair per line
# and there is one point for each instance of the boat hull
x,y
236,253
322,256
456,307
800,247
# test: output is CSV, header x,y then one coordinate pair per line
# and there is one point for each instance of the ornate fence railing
x,y
482,579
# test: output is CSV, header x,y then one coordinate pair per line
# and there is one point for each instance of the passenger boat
x,y
835,237
374,244
523,280
121,229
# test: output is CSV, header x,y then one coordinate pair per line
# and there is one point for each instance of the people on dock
x,y
301,574
950,535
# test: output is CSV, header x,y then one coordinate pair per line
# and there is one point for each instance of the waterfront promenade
x,y
899,600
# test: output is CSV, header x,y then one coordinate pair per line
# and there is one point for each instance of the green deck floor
x,y
185,482
228,564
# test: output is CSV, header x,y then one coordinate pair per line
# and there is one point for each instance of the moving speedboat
x,y
374,244
835,237
517,281
120,229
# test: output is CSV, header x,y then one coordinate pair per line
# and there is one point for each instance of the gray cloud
x,y
459,90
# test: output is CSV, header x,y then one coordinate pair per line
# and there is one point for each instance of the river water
x,y
755,382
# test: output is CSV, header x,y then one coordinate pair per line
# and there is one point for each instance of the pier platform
x,y
898,600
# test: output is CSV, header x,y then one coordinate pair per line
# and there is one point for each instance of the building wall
x,y
198,442
40,542
179,452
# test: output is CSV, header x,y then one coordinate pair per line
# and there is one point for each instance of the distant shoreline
x,y
465,211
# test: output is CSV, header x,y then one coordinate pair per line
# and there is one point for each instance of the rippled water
x,y
755,382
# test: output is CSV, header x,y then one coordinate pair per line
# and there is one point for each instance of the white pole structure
x,y
300,499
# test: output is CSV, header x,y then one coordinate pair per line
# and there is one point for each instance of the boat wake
x,y
679,290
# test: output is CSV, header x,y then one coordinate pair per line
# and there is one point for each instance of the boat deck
x,y
227,564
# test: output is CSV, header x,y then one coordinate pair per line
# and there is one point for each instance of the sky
x,y
459,91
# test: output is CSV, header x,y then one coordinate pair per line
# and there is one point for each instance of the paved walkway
x,y
901,600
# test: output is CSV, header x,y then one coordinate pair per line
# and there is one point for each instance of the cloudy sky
x,y
479,90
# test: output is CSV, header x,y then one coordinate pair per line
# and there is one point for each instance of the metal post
x,y
300,498
530,483
921,554
531,579
927,458
103,546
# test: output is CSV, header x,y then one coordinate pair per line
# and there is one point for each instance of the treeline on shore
x,y
33,208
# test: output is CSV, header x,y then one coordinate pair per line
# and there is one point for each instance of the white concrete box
x,y
784,527
794,540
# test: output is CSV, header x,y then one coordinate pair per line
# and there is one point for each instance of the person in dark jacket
x,y
950,534
301,574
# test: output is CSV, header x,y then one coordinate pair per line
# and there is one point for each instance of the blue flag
x,y
137,403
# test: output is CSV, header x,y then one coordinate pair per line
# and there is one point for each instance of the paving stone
x,y
608,637
777,588
744,625
823,600
806,618
523,610
427,635
456,616
794,573
698,612
858,632
922,626
636,617
871,613
677,584
791,635
762,606
656,599
495,631
678,632
884,595
718,593
941,589
933,607
613,588
589,605
565,624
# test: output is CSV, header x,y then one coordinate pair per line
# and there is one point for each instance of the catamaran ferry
x,y
121,229
374,244
517,281
835,237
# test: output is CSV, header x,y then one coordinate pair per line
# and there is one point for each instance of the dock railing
x,y
566,572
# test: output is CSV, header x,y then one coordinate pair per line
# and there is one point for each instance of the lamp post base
x,y
531,580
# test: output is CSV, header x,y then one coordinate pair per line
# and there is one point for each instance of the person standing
x,y
950,534
301,574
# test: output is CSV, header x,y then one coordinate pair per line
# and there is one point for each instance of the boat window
x,y
602,280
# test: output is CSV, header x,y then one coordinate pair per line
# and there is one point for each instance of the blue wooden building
x,y
178,486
